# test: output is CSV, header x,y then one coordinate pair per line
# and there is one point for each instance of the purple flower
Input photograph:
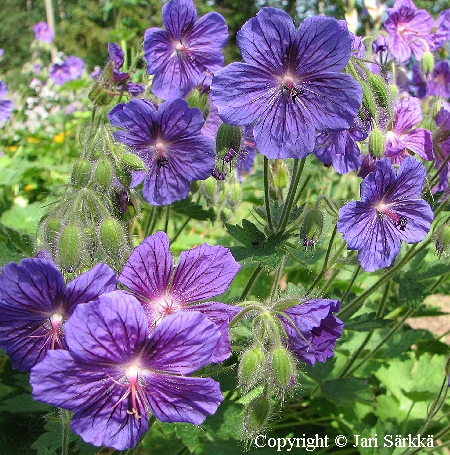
x,y
6,106
404,137
117,57
442,146
186,52
439,81
114,372
289,84
390,211
35,303
340,148
169,142
440,32
69,70
380,45
312,329
409,30
202,273
43,32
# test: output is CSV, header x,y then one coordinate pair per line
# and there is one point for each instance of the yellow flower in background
x,y
33,140
60,137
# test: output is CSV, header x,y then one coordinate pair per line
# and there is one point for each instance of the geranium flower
x,y
439,82
409,30
35,303
43,32
169,142
290,82
6,106
312,329
187,52
114,372
441,149
69,70
340,148
390,211
403,137
202,273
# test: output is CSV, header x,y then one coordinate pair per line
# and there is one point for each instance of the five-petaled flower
x,y
202,273
390,211
290,83
187,52
169,142
115,371
35,303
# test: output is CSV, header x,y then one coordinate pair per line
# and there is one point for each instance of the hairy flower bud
x,y
443,240
52,227
257,414
369,99
250,367
376,142
280,175
312,227
228,136
69,247
380,90
282,367
111,237
81,173
133,162
427,62
99,94
103,173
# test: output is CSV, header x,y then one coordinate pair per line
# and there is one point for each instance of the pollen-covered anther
x,y
132,374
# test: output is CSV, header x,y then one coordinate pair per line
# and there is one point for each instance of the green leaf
x,y
193,210
248,234
189,434
366,322
347,390
16,241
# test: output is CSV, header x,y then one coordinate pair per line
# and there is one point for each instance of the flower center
x,y
183,51
399,221
161,158
55,332
289,88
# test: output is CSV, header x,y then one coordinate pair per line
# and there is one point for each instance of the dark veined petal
x,y
208,33
158,48
137,118
35,285
89,285
25,336
322,45
179,121
381,247
263,40
203,272
183,399
221,314
182,343
409,182
242,93
94,394
149,268
419,216
375,186
408,112
178,17
419,141
331,99
108,330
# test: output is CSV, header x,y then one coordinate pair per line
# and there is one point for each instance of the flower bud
x,y
235,194
376,142
443,240
123,176
369,99
312,227
280,175
103,173
133,162
111,237
51,230
257,414
380,89
209,189
427,62
435,108
282,367
81,173
228,136
99,94
250,368
69,247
